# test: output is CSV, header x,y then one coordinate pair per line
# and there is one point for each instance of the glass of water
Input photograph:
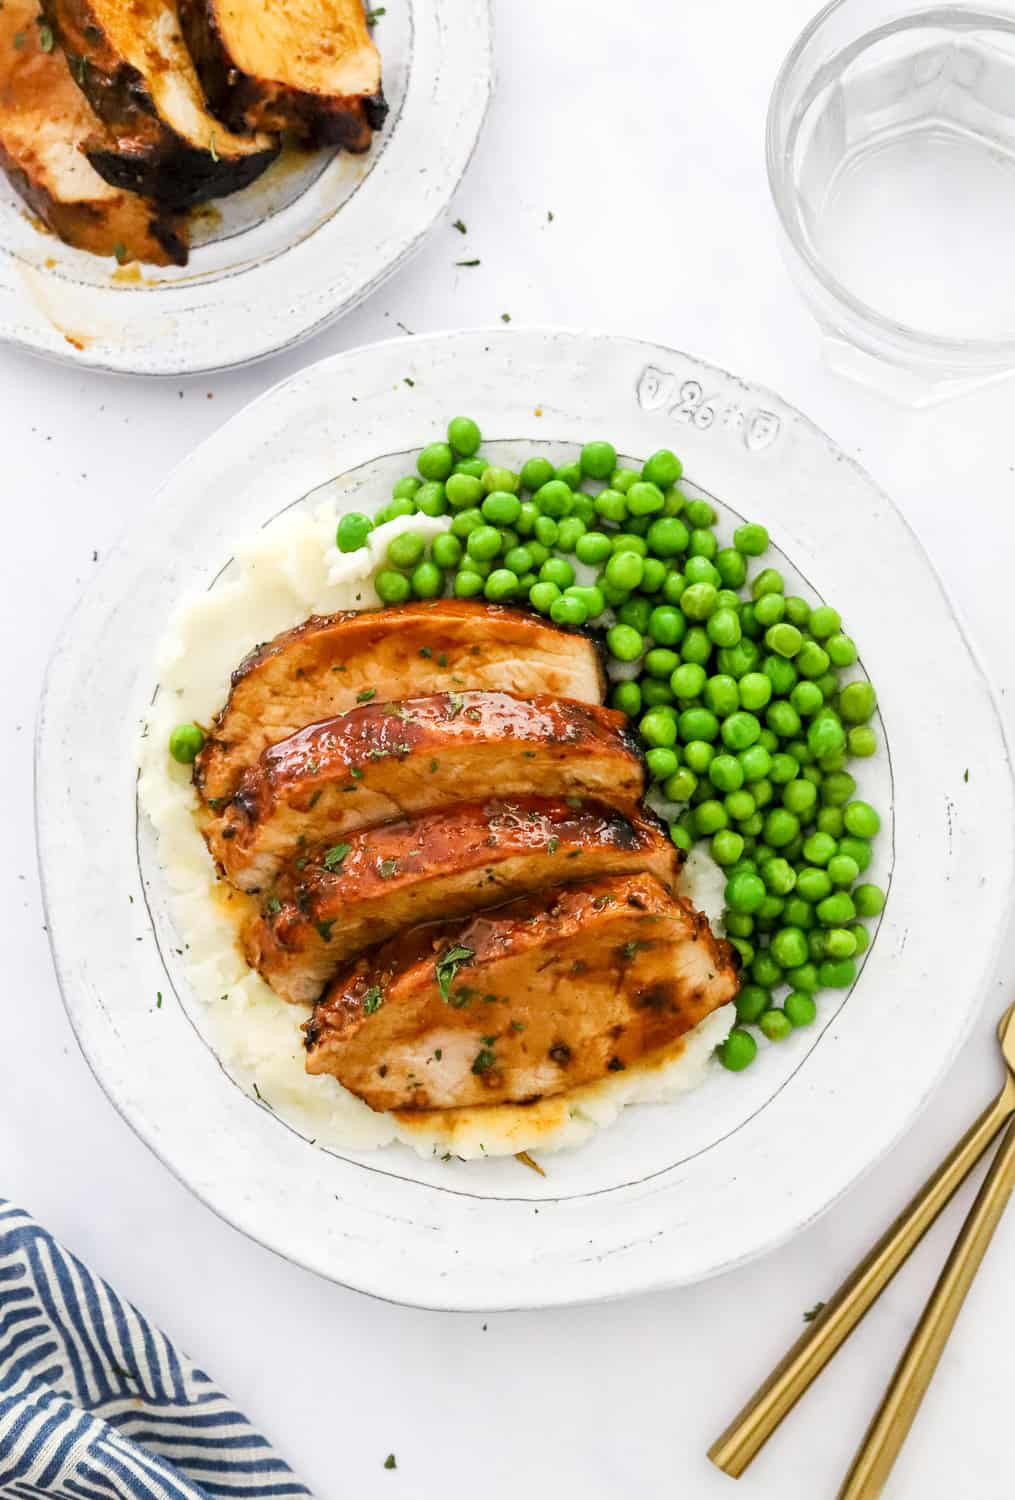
x,y
891,159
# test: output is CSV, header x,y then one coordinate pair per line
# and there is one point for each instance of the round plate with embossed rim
x,y
670,1193
279,261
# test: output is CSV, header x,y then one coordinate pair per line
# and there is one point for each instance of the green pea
x,y
857,702
824,621
468,584
681,836
807,698
436,461
624,642
769,610
661,662
185,743
466,521
709,817
726,773
804,978
784,639
755,691
698,724
837,973
655,692
837,788
546,530
525,582
727,847
751,1002
782,718
590,596
798,611
635,612
681,786
789,947
721,695
542,596
500,508
775,1025
568,532
861,820
749,622
535,473
554,499
406,549
598,460
495,478
406,488
502,584
688,680
392,587
663,468
658,729
737,661
624,570
779,877
662,762
836,910
464,436
738,1051
569,474
611,505
653,575
781,673
699,601
626,697
667,536
696,646
667,625
783,768
825,735
750,827
557,570
723,626
841,650
842,871
474,467
446,550
839,943
829,819
756,762
674,585
861,936
812,660
483,543
762,791
519,560
698,755
768,581
353,530
745,891
702,570
800,797
765,971
704,544
751,539
593,547
629,541
567,610
799,1008
869,900
740,730
431,499
527,518
426,580
644,499
861,741
780,827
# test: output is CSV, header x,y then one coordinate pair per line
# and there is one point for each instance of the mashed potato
x,y
290,570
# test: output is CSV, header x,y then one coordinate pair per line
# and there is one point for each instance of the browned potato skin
x,y
444,865
585,980
325,666
389,760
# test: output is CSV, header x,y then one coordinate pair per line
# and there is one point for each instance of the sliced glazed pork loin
x,y
333,663
387,760
374,884
530,1000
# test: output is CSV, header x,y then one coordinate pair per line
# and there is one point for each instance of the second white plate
x,y
277,262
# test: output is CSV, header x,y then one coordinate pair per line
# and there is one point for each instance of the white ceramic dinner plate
x,y
669,1193
279,261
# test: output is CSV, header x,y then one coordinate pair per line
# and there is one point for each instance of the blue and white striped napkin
x,y
96,1404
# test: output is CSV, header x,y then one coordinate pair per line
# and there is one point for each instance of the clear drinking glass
x,y
891,159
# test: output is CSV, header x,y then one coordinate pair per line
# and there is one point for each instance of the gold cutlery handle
x,y
755,1423
894,1417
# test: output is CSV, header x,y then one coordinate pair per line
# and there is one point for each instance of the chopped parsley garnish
x,y
447,967
615,1065
426,652
552,846
365,695
442,659
434,764
324,929
517,1025
19,40
356,773
461,997
387,868
438,1053
484,1059
46,40
455,705
273,906
372,1000
335,855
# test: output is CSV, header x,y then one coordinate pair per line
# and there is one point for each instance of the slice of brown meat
x,y
533,999
366,889
330,663
44,123
309,66
391,760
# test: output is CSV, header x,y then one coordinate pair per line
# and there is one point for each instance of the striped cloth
x,y
96,1404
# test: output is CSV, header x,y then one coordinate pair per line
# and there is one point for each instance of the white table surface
x,y
640,127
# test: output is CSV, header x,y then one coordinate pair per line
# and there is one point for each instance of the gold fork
x,y
754,1425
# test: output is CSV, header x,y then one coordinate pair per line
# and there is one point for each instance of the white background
x,y
640,127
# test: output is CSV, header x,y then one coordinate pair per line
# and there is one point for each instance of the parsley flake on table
x,y
467,262
390,1462
460,226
